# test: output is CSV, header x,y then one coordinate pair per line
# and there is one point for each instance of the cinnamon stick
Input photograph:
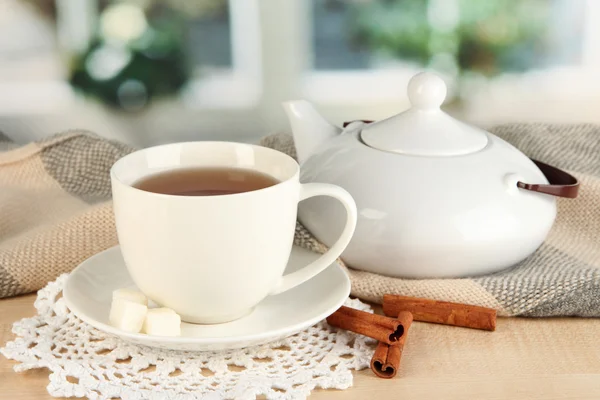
x,y
441,312
384,329
386,359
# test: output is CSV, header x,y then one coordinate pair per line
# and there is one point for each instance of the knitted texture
x,y
56,212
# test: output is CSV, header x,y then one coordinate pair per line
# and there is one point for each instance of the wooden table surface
x,y
524,359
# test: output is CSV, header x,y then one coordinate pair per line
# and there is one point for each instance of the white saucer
x,y
88,294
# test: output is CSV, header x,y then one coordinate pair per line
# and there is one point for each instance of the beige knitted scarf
x,y
55,211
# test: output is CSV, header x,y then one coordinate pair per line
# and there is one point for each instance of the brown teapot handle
x,y
561,183
366,121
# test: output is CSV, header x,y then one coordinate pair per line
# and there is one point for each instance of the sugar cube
x,y
162,322
127,315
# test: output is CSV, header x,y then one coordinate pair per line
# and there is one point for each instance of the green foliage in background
x,y
483,36
137,55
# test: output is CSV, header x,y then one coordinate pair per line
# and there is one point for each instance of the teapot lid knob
x,y
426,91
424,129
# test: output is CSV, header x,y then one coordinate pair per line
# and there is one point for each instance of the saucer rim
x,y
140,338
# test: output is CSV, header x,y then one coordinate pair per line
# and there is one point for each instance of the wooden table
x,y
524,359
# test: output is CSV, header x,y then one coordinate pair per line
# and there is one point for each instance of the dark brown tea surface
x,y
205,181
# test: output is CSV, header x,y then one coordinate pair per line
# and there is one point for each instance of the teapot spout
x,y
309,128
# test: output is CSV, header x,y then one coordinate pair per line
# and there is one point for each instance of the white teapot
x,y
436,198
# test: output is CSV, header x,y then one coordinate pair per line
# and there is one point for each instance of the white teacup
x,y
213,258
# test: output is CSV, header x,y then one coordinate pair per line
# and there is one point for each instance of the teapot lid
x,y
424,129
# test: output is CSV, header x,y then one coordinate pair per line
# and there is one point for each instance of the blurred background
x,y
154,71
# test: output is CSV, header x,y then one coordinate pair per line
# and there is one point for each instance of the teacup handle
x,y
322,189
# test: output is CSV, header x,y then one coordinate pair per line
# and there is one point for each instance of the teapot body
x,y
429,217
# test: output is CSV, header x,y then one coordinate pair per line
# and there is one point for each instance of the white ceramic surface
x,y
88,294
424,130
213,258
429,208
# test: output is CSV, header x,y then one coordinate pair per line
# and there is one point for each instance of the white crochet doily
x,y
85,362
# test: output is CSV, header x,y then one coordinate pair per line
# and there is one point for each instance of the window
x,y
507,60
492,51
448,34
206,30
26,40
163,44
